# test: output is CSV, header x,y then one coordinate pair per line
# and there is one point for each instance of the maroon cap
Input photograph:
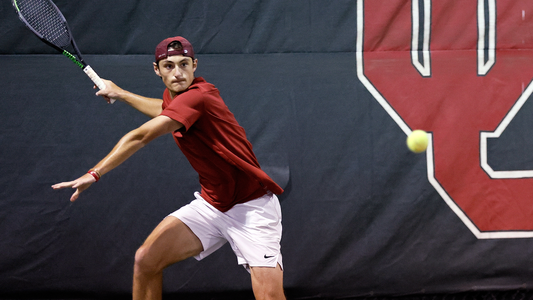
x,y
162,51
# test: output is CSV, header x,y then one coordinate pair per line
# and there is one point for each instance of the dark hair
x,y
176,45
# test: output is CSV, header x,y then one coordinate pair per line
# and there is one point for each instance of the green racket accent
x,y
16,6
73,58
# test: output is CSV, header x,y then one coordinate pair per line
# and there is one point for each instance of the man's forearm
x,y
135,140
148,106
125,148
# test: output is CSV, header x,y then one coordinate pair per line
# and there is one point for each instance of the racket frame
x,y
77,58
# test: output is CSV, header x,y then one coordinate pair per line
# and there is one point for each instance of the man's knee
x,y
168,244
145,261
267,283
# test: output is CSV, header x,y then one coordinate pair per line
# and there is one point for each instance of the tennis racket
x,y
46,21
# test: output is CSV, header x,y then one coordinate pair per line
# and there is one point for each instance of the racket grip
x,y
96,79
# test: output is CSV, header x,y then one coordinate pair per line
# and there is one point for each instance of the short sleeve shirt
x,y
216,147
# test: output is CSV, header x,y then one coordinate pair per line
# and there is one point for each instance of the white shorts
x,y
253,229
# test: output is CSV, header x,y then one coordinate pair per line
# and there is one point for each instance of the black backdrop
x,y
359,215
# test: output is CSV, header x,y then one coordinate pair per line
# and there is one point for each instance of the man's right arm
x,y
148,106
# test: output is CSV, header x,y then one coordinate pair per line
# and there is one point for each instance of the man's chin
x,y
177,89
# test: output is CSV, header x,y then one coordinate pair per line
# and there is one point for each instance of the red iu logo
x,y
460,70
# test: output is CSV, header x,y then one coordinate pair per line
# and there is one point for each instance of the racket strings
x,y
44,18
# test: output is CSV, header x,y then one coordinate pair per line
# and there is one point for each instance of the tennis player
x,y
237,202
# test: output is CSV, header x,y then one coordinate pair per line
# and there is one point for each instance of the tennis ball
x,y
417,141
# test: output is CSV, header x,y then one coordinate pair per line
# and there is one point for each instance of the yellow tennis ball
x,y
417,141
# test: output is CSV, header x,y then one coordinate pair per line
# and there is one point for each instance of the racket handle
x,y
96,79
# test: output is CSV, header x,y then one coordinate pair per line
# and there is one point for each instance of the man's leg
x,y
170,242
267,283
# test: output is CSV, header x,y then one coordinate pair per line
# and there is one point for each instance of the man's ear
x,y
195,64
156,69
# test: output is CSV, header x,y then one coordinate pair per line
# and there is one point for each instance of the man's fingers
x,y
103,95
75,196
79,184
63,185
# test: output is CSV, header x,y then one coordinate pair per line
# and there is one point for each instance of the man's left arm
x,y
125,148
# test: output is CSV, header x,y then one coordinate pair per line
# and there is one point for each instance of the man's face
x,y
177,72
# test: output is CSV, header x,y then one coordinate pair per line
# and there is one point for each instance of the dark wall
x,y
229,27
360,213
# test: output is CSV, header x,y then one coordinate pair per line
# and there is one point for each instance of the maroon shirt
x,y
216,146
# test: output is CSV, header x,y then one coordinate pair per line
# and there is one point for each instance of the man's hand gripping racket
x,y
46,21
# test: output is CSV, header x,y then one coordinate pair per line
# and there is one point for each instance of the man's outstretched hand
x,y
79,184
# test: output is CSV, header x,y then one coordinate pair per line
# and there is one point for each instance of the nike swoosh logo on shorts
x,y
268,256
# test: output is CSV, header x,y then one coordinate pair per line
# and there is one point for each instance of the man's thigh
x,y
170,242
